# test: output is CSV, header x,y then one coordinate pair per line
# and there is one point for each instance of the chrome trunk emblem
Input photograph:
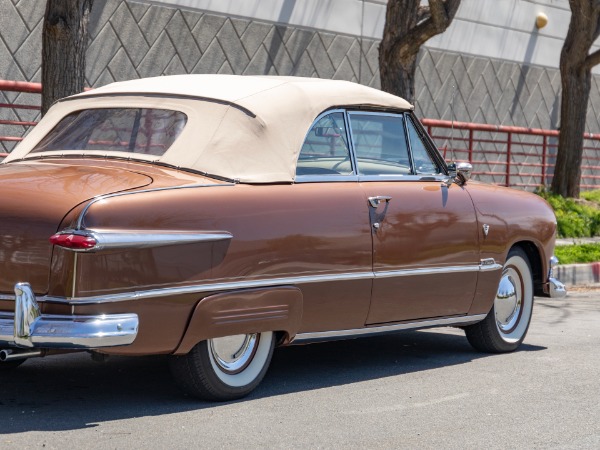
x,y
486,229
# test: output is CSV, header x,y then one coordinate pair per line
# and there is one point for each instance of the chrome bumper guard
x,y
555,288
29,328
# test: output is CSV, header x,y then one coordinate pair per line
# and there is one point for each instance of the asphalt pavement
x,y
420,389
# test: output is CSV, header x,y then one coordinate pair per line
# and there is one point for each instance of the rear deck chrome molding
x,y
249,284
29,328
305,338
80,224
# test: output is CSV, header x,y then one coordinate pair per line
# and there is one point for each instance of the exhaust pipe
x,y
11,355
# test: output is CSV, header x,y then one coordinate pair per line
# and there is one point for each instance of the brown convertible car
x,y
215,217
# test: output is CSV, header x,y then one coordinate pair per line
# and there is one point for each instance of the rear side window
x,y
133,130
325,150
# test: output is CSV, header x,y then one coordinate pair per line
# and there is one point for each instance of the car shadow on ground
x,y
69,392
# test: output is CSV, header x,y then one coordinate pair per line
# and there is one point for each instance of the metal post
x,y
471,145
544,150
508,156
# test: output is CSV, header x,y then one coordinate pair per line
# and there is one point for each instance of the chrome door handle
x,y
376,201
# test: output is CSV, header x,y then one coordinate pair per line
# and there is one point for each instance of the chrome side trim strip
x,y
427,271
115,239
305,338
208,287
248,284
123,239
489,264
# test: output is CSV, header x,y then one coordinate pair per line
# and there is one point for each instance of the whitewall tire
x,y
226,368
506,325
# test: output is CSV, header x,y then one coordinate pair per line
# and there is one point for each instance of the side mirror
x,y
452,170
460,173
463,171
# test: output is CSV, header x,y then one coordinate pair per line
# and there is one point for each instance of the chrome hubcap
x,y
508,301
232,354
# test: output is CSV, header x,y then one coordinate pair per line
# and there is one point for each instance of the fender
x,y
243,312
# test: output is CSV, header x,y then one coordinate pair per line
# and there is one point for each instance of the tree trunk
x,y
573,111
398,78
397,66
64,42
576,76
408,25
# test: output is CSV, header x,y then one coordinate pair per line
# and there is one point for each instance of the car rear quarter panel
x,y
278,231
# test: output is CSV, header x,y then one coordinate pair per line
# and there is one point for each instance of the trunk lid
x,y
34,199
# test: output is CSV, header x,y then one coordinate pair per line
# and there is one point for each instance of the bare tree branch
x,y
408,25
441,14
423,13
592,60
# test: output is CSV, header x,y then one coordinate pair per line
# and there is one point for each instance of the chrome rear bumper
x,y
28,327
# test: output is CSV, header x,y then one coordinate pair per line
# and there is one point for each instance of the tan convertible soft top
x,y
248,128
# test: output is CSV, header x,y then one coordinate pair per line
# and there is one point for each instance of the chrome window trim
x,y
303,338
424,178
119,239
269,282
326,179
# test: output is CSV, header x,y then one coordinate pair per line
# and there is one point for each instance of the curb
x,y
578,274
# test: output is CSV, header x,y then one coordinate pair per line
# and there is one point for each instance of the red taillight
x,y
73,241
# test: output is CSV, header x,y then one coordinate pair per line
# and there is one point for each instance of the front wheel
x,y
226,368
506,325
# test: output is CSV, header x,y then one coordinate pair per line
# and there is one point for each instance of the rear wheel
x,y
224,368
506,325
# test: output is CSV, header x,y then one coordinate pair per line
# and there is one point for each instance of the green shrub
x,y
583,253
575,218
592,196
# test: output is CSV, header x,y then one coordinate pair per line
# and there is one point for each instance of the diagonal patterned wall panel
x,y
131,40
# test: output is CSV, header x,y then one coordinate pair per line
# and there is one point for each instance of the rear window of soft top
x,y
143,131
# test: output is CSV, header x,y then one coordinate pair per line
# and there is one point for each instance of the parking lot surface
x,y
420,389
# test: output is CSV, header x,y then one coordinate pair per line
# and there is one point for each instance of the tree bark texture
x,y
408,25
576,75
64,42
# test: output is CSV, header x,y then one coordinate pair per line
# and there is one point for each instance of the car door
x,y
424,231
328,211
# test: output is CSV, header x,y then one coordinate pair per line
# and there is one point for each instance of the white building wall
x,y
498,29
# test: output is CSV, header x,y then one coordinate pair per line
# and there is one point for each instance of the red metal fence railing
x,y
504,155
18,112
511,156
